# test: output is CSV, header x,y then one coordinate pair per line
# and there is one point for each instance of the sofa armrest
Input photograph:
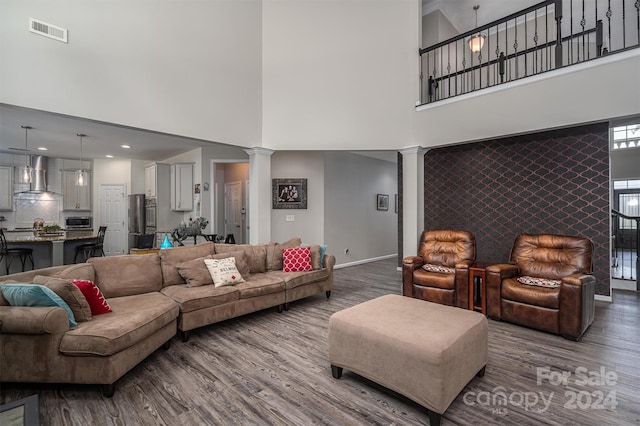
x,y
33,320
495,274
409,264
577,305
464,264
329,262
416,261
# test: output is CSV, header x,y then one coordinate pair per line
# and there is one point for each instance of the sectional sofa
x,y
151,297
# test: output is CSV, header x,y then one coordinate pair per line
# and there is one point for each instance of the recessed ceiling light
x,y
42,148
125,146
109,156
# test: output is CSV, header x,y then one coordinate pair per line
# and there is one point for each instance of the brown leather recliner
x,y
447,254
564,307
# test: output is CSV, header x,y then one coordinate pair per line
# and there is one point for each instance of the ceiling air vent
x,y
47,30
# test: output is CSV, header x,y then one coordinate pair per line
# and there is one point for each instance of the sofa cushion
x,y
224,271
260,285
170,258
35,295
127,275
434,279
94,296
256,254
296,259
133,319
81,271
530,295
297,279
241,261
195,272
195,298
69,293
274,253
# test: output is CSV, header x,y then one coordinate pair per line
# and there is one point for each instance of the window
x,y
625,137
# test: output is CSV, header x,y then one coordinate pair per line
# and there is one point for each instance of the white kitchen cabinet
x,y
6,188
150,180
182,187
75,197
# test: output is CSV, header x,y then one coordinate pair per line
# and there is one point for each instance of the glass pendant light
x,y
25,171
477,41
81,175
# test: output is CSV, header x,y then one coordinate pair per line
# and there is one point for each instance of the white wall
x,y
190,68
339,74
308,224
436,28
351,219
597,90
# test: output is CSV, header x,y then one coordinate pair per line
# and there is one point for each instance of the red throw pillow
x,y
92,293
296,259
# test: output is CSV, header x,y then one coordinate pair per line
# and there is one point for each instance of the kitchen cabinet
x,y
6,188
75,197
182,187
150,180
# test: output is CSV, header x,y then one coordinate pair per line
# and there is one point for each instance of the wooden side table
x,y
478,287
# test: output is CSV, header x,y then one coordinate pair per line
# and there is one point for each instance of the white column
x,y
412,198
260,194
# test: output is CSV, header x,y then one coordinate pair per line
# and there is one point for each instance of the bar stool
x,y
8,254
88,250
230,239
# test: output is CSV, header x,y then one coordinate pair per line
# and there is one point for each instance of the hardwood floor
x,y
272,369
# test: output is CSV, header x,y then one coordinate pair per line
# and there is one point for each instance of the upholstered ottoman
x,y
422,350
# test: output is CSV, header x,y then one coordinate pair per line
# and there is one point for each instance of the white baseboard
x,y
623,284
604,298
360,262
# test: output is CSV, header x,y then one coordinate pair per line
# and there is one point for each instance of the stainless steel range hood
x,y
38,176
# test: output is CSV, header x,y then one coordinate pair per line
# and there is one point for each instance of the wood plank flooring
x,y
272,369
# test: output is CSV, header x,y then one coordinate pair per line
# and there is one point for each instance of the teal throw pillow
x,y
35,295
323,250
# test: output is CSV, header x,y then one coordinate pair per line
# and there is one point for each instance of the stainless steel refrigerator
x,y
137,223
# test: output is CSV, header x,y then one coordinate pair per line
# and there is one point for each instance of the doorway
x,y
229,201
232,214
113,211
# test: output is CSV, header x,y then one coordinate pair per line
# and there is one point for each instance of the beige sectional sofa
x,y
150,300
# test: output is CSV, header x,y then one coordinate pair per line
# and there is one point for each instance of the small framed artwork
x,y
397,203
382,202
289,193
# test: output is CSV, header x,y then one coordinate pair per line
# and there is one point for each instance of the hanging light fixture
x,y
26,170
81,175
476,41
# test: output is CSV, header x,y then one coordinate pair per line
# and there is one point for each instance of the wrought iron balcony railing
x,y
541,38
625,241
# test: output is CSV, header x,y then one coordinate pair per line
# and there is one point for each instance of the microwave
x,y
75,222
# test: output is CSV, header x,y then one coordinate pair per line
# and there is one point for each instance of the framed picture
x,y
397,203
382,202
289,193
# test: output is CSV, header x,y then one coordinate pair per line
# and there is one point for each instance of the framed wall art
x,y
382,202
289,193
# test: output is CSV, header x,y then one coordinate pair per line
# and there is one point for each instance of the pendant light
x,y
81,175
477,41
26,170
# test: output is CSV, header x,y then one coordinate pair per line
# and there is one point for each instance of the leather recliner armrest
x,y
495,274
577,305
416,261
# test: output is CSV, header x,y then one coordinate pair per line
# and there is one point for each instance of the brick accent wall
x,y
549,182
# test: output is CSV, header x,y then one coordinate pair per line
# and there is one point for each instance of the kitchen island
x,y
48,251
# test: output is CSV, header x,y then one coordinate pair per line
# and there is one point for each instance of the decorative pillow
x,y
94,296
317,255
35,295
323,251
224,271
241,261
195,272
296,259
429,267
69,293
538,282
274,253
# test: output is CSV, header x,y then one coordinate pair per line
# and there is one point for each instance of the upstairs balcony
x,y
544,37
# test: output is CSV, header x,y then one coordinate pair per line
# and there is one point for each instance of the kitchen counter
x,y
48,251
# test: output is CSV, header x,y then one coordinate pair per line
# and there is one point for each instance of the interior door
x,y
232,210
113,211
